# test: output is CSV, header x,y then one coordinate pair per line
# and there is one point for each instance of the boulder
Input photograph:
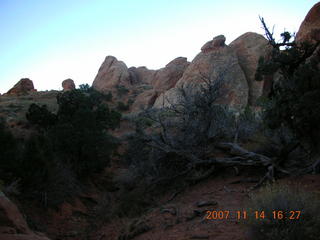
x,y
141,75
144,100
249,47
168,76
215,61
309,30
68,85
111,73
12,225
168,98
217,42
24,86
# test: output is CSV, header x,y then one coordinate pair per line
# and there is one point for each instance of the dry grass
x,y
289,200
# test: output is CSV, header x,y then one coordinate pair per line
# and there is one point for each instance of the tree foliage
x,y
294,100
295,96
68,148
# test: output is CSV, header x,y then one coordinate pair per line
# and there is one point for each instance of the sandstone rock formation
x,y
24,86
111,73
68,85
144,100
168,76
12,224
214,61
141,75
143,84
217,42
249,47
310,28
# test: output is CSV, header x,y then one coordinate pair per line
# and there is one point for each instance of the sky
x,y
50,41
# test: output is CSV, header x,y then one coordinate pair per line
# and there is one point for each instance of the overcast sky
x,y
49,41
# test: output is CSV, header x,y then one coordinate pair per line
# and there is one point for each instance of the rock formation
x,y
215,60
111,73
144,100
249,47
24,86
141,75
12,225
143,84
309,30
68,85
167,77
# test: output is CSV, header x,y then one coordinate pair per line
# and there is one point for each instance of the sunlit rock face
x,y
249,47
24,86
215,61
309,30
68,85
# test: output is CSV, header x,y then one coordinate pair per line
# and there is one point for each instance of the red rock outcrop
x,y
111,73
217,42
141,75
144,100
215,60
309,30
12,225
249,47
68,85
168,76
24,86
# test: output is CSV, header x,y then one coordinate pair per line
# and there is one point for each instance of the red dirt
x,y
230,196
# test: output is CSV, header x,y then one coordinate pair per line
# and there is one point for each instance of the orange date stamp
x,y
243,215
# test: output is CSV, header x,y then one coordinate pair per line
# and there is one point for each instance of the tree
x,y
72,145
185,135
295,97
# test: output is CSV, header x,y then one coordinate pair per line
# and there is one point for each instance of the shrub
x,y
278,197
40,116
69,149
121,90
294,99
122,107
78,137
10,153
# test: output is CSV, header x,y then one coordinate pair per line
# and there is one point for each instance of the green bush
x,y
72,145
121,90
79,136
294,99
10,152
283,198
40,116
122,107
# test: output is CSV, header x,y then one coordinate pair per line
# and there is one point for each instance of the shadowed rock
x,y
68,85
309,30
249,47
215,60
12,225
23,87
